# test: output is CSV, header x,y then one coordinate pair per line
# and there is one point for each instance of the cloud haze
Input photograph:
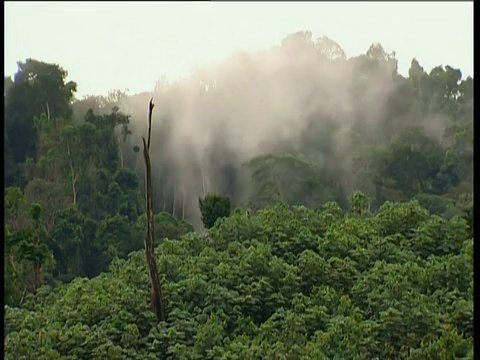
x,y
255,103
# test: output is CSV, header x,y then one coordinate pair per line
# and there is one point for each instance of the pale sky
x,y
130,45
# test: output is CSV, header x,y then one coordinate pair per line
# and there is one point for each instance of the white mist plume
x,y
251,103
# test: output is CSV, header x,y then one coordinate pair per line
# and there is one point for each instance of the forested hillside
x,y
281,284
344,228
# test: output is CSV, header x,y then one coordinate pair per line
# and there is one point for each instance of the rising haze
x,y
281,100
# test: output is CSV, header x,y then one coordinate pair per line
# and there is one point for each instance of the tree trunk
x,y
174,198
74,179
37,277
164,200
279,187
156,297
121,156
48,112
204,188
183,203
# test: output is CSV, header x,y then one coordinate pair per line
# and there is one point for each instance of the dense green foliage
x,y
289,283
87,204
347,234
213,207
37,88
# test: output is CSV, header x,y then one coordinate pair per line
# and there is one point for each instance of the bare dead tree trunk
x,y
156,296
74,179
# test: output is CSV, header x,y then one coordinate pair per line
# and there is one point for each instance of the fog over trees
x,y
307,205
